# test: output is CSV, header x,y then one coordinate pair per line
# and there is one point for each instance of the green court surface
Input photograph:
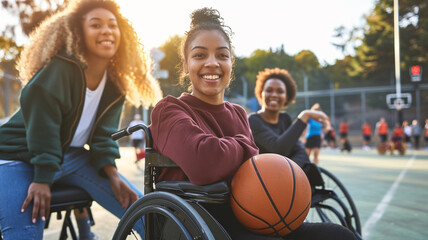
x,y
390,192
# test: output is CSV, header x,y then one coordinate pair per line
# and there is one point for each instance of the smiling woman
x,y
209,66
102,34
78,68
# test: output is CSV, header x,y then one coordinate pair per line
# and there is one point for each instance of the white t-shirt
x,y
92,100
408,130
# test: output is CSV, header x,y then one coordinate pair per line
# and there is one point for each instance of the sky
x,y
297,24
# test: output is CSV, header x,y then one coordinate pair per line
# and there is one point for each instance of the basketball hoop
x,y
398,106
398,103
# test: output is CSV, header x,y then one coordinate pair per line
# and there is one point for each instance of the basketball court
x,y
391,193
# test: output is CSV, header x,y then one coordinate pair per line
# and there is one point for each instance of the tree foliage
x,y
374,59
171,63
306,60
9,50
30,13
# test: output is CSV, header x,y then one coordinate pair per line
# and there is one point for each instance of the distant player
x,y
137,138
367,134
382,131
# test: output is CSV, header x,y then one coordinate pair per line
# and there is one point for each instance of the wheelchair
x,y
175,209
397,144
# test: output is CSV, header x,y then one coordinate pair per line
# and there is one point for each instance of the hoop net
x,y
398,104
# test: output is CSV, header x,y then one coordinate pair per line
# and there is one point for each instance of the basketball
x,y
381,148
270,195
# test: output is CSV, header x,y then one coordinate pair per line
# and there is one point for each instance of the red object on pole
x,y
415,70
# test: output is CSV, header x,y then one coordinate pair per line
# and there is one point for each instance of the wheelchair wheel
x,y
333,203
166,216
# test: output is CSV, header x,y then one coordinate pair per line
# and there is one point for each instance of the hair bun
x,y
206,16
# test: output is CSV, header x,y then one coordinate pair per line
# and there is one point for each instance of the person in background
x,y
407,129
426,134
397,133
77,70
397,138
343,130
330,137
313,135
382,130
208,137
137,138
367,134
416,133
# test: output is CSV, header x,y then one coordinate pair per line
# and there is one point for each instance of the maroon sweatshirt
x,y
208,142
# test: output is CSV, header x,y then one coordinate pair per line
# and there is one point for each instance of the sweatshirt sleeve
x,y
42,109
203,157
299,155
283,143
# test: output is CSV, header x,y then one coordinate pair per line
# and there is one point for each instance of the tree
x,y
9,50
172,63
374,58
338,73
30,13
261,59
306,60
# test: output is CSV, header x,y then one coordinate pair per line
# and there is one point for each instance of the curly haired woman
x,y
275,132
273,129
78,69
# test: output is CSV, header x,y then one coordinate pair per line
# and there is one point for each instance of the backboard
x,y
393,102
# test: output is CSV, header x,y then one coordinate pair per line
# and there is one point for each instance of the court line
x,y
381,207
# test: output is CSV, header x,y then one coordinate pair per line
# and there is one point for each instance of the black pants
x,y
307,231
416,138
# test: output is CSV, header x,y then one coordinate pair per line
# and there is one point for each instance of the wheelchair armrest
x,y
314,175
212,193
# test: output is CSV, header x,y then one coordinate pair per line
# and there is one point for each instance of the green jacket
x,y
40,132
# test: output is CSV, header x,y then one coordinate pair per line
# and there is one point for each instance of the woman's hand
x,y
40,194
121,190
315,115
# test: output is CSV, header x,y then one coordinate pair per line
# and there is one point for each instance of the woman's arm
x,y
121,190
299,155
318,116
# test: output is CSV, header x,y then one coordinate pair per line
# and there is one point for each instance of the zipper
x,y
80,106
99,117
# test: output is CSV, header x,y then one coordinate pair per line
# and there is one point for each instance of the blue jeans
x,y
16,177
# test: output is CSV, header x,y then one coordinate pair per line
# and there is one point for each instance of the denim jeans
x,y
16,177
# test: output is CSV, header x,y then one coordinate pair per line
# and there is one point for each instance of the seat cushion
x,y
66,193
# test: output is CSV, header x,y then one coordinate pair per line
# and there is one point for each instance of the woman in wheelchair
x,y
275,132
79,66
397,142
207,137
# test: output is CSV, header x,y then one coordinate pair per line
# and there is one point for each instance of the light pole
x,y
398,101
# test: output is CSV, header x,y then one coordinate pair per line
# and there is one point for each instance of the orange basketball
x,y
271,195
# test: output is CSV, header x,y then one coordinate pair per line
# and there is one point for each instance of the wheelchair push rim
x,y
336,206
169,207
